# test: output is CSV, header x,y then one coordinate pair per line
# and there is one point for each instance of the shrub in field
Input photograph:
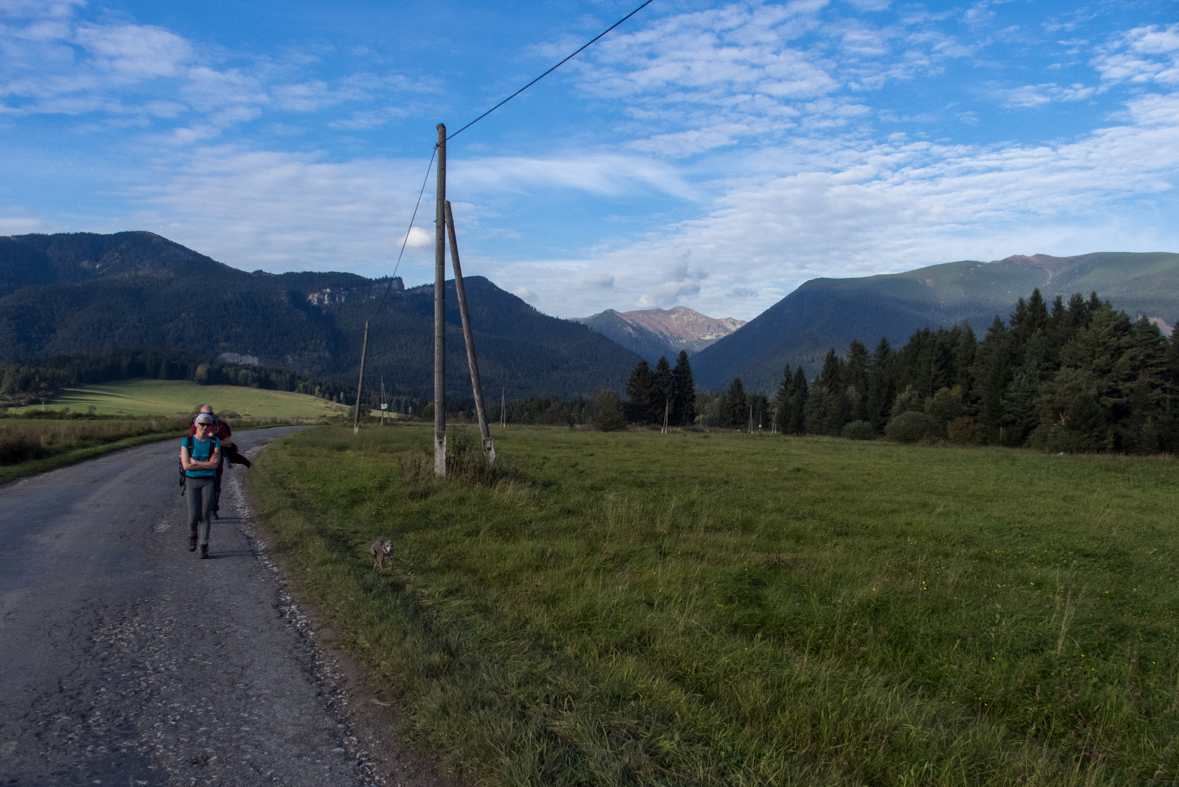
x,y
911,427
964,430
608,415
859,430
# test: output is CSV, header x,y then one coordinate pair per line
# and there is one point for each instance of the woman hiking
x,y
200,468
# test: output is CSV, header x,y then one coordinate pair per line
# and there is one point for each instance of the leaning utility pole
x,y
469,338
360,385
440,311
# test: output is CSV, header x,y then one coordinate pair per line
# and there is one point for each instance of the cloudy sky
x,y
707,154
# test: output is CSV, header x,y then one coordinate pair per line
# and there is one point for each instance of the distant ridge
x,y
69,293
661,332
826,313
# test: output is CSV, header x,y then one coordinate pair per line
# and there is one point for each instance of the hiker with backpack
x,y
229,451
200,456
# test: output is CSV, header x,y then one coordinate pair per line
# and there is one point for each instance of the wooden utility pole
x,y
503,405
666,407
360,385
750,419
440,311
469,337
384,404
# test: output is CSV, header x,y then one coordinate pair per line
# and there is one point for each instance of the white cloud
x,y
134,52
1038,95
1143,55
282,211
594,173
418,238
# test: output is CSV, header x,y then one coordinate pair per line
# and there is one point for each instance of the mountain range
x,y
826,313
661,332
69,293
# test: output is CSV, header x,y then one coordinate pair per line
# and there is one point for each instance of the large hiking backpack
x,y
190,444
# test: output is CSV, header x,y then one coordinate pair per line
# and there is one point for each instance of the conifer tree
x,y
855,383
992,373
664,387
782,402
881,385
684,403
799,394
642,393
832,374
734,411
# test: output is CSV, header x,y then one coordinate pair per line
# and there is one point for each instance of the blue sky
x,y
706,154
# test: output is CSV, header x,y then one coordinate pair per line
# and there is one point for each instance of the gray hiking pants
x,y
200,492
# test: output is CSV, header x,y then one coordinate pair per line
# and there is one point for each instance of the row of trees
x,y
652,392
1075,376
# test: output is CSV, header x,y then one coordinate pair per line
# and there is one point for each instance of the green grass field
x,y
719,609
175,397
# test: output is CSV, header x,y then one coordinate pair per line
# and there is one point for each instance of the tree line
x,y
1080,376
30,381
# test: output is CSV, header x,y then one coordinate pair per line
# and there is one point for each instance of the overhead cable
x,y
551,70
425,180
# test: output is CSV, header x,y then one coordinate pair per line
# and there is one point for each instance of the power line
x,y
551,70
425,180
581,49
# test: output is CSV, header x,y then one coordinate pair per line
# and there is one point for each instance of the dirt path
x,y
128,661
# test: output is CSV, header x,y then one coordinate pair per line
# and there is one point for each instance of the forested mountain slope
x,y
62,294
826,313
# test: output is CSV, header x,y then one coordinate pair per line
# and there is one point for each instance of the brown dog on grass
x,y
381,551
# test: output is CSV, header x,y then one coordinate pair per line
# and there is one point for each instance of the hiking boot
x,y
215,514
192,543
204,551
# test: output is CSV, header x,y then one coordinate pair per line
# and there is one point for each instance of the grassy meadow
x,y
721,609
173,397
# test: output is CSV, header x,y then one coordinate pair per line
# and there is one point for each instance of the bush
x,y
859,430
964,431
907,401
911,427
608,415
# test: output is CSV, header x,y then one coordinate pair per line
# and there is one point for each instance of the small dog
x,y
381,551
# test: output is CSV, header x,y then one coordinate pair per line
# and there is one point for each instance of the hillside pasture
x,y
180,397
726,609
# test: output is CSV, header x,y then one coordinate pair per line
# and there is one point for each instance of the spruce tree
x,y
881,385
684,403
855,382
641,393
664,388
799,394
992,372
735,413
782,402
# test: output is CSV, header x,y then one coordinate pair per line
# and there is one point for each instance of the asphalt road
x,y
126,660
